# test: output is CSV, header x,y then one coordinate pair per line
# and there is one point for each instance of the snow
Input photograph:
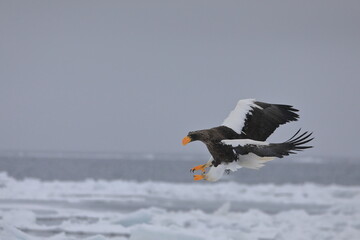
x,y
159,232
31,209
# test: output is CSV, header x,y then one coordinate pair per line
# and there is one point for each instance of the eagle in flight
x,y
241,140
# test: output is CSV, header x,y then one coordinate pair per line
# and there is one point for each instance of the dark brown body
x,y
212,139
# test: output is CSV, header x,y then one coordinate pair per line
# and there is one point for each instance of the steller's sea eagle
x,y
240,140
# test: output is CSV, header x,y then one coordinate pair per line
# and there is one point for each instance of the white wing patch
x,y
242,142
250,160
237,117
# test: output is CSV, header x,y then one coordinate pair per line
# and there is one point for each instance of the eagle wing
x,y
258,120
264,149
254,154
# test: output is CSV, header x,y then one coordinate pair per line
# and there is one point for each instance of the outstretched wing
x,y
263,149
254,154
258,120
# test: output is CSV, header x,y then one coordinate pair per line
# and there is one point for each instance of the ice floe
x,y
116,210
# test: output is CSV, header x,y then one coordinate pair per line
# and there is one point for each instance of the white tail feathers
x,y
253,161
250,160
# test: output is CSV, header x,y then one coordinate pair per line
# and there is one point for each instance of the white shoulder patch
x,y
237,117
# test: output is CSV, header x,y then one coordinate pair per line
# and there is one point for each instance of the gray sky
x,y
136,76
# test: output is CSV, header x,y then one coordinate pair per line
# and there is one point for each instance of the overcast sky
x,y
136,76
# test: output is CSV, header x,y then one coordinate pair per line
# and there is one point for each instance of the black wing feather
x,y
295,143
261,123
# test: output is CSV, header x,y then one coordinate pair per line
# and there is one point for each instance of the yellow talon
x,y
198,177
200,167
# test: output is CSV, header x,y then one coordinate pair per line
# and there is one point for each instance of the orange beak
x,y
186,140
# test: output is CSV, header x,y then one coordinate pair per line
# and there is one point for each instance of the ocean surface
x,y
174,168
72,196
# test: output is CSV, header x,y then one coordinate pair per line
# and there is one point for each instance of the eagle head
x,y
194,136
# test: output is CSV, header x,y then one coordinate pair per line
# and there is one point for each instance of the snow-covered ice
x,y
31,209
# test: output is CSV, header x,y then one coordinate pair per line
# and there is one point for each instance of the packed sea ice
x,y
31,209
